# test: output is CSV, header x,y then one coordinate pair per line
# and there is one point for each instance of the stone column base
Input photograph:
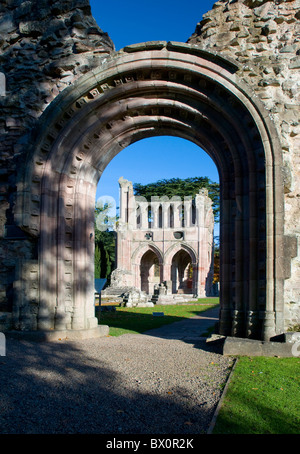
x,y
60,335
287,348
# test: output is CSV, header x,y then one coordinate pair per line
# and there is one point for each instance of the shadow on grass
x,y
137,321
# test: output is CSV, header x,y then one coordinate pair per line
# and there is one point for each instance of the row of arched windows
x,y
171,213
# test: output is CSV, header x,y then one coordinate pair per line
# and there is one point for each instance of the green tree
x,y
104,253
181,188
97,262
104,242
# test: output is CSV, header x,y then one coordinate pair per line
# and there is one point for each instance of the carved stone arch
x,y
143,260
169,254
142,249
142,91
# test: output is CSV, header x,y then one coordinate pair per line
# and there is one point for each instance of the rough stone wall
x,y
264,38
44,46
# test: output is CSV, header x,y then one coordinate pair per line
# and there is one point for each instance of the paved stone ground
x,y
168,381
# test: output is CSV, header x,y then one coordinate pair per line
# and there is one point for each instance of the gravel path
x,y
132,384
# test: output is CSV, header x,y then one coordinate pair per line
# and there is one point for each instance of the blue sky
x,y
155,158
156,20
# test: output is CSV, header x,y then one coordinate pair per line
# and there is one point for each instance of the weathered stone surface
x,y
234,346
263,37
44,47
40,42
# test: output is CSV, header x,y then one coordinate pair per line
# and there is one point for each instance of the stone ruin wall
x,y
264,38
45,45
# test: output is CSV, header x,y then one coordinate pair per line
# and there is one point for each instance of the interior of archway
x,y
149,272
182,273
148,161
224,138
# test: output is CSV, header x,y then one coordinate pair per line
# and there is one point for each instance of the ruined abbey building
x,y
71,103
164,249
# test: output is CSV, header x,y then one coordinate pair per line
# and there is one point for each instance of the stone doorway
x,y
182,273
146,90
150,272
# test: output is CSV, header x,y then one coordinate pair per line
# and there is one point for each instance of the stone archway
x,y
181,281
172,265
142,265
145,90
149,272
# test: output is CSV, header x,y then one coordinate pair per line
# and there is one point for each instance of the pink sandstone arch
x,y
139,254
144,90
168,261
169,254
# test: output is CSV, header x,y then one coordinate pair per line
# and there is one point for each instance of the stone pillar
x,y
26,296
225,311
177,211
48,262
256,228
187,211
123,199
238,325
155,214
165,214
201,244
144,214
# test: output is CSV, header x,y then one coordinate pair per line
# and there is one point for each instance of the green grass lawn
x,y
138,320
262,397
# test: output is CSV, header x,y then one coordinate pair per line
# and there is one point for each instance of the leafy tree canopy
x,y
104,242
181,188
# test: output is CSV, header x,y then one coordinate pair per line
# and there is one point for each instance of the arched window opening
x,y
149,272
181,273
181,215
138,217
171,217
193,213
160,217
150,217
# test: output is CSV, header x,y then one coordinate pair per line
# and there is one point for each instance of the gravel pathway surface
x,y
167,381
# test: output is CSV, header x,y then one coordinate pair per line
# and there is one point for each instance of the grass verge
x,y
262,397
138,320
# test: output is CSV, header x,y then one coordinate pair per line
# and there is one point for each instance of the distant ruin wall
x,y
264,38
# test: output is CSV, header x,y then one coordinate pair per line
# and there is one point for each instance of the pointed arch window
x,y
160,217
171,217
